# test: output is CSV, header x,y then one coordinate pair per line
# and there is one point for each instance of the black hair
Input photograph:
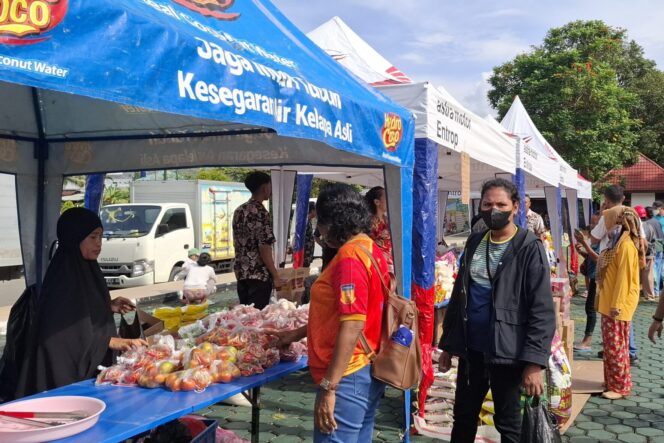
x,y
204,259
507,185
344,211
373,194
312,207
614,194
255,180
658,204
650,212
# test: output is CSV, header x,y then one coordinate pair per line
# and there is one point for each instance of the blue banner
x,y
425,212
240,62
304,182
94,191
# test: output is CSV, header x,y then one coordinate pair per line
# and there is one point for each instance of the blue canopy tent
x,y
156,84
127,85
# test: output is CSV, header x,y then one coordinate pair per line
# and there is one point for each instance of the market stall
x,y
134,86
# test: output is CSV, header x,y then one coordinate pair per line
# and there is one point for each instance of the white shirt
x,y
200,277
600,233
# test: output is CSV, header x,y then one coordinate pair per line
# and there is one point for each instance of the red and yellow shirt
x,y
348,289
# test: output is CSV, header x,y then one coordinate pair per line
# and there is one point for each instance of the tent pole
x,y
40,154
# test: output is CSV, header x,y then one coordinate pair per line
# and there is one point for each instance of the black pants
x,y
591,314
473,382
254,291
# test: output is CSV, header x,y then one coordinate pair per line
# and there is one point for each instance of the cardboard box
x,y
149,324
438,316
568,339
294,288
559,317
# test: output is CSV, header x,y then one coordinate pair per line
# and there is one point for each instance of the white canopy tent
x,y
517,122
342,43
470,151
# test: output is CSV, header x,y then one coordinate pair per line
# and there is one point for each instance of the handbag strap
x,y
374,264
371,354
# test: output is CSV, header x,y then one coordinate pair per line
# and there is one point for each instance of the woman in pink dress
x,y
380,229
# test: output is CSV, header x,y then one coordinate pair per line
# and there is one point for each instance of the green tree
x,y
578,87
650,111
216,174
114,195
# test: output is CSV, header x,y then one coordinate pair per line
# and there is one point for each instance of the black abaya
x,y
74,321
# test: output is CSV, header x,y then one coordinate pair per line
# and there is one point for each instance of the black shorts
x,y
254,291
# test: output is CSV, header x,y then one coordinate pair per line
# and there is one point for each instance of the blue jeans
x,y
657,270
357,400
632,341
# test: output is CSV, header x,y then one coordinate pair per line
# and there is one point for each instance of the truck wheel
x,y
175,271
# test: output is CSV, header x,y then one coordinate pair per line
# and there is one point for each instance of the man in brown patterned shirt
x,y
253,238
534,220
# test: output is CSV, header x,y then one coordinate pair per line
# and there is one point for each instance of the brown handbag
x,y
395,364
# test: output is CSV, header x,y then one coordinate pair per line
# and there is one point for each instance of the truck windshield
x,y
128,221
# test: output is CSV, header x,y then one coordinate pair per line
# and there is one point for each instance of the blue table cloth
x,y
131,411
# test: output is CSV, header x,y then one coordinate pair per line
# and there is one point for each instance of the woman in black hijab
x,y
75,326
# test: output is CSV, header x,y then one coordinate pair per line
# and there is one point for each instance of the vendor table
x,y
132,410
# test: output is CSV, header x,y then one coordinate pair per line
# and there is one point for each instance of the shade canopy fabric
x,y
342,43
439,117
518,122
128,85
455,130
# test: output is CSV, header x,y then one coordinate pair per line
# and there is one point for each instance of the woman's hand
x,y
655,328
615,312
324,412
532,380
125,344
122,305
285,337
445,362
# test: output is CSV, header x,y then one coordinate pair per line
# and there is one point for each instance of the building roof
x,y
643,176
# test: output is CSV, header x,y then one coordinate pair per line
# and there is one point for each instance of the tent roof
x,y
342,43
439,117
179,68
518,122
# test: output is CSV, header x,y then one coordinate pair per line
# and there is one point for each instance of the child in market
x,y
200,280
192,258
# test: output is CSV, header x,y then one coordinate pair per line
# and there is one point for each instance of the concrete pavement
x,y
287,414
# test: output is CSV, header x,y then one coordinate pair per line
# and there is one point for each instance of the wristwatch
x,y
327,385
659,320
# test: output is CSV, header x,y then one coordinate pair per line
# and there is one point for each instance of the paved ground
x,y
288,404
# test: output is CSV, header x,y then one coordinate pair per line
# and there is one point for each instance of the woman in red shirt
x,y
346,300
380,229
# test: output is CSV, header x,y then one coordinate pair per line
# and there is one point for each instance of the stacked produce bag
x,y
215,349
446,270
176,317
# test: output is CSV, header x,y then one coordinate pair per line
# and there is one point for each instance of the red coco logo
x,y
24,21
392,131
210,8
